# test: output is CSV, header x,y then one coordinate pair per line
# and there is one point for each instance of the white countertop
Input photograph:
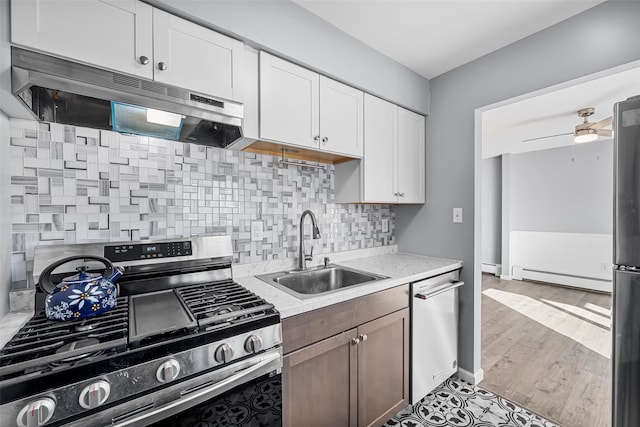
x,y
386,261
399,267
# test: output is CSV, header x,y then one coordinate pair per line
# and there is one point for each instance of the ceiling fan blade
x,y
548,136
605,132
602,123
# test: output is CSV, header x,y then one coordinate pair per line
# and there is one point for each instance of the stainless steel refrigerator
x,y
626,259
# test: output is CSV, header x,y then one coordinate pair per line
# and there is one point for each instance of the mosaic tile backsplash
x,y
81,185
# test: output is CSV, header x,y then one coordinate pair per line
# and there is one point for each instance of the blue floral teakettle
x,y
82,295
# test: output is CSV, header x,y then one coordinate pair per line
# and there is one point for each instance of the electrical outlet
x,y
385,225
457,215
257,232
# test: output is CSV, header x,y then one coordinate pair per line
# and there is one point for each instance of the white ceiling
x,y
504,128
435,36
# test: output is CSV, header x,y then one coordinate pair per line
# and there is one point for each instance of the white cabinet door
x,y
410,163
194,57
341,118
112,34
380,129
289,102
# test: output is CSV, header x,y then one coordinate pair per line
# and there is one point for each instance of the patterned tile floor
x,y
457,403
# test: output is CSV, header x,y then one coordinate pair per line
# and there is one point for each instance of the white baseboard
x,y
505,277
495,269
471,378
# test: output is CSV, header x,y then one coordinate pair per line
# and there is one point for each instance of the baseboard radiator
x,y
572,259
495,269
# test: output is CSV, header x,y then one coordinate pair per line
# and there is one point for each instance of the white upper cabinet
x,y
393,167
341,118
301,107
131,37
410,169
193,57
289,102
381,130
113,34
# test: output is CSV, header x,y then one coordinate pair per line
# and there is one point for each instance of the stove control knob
x,y
253,344
224,353
95,394
168,371
36,413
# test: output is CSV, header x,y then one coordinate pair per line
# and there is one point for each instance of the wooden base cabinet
x,y
359,377
319,383
383,368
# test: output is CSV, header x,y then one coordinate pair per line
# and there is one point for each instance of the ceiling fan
x,y
585,131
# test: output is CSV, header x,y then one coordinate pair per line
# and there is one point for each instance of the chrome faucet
x,y
302,256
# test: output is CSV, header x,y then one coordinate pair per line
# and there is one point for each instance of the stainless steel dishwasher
x,y
434,332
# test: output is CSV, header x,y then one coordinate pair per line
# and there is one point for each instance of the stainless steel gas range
x,y
185,345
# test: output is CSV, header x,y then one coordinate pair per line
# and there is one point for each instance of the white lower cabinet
x,y
393,167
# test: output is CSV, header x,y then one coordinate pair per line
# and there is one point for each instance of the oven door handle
x,y
202,395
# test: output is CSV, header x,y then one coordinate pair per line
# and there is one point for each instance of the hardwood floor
x,y
547,348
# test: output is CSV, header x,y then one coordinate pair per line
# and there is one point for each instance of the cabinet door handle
x,y
162,66
325,140
144,60
363,337
355,341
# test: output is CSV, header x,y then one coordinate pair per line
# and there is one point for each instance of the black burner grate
x,y
223,302
42,341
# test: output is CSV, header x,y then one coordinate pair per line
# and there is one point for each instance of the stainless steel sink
x,y
308,283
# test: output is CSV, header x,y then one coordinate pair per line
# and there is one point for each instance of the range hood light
x,y
164,118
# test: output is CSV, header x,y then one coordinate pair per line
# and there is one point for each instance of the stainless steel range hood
x,y
60,91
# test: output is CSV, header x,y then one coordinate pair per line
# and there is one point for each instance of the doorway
x,y
546,217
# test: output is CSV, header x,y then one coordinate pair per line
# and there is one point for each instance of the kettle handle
x,y
45,277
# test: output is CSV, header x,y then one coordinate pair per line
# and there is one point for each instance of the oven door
x,y
249,390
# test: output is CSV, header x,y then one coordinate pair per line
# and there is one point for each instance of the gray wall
x,y
292,32
602,37
491,210
568,189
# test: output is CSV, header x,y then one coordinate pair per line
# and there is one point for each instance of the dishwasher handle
x,y
440,289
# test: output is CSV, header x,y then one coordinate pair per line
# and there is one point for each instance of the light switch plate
x,y
257,232
457,215
385,225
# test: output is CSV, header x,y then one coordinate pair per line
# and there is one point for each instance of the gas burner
x,y
224,309
84,327
76,345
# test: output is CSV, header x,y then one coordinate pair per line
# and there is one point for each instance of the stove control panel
x,y
149,250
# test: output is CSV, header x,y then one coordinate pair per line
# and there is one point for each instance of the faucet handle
x,y
309,257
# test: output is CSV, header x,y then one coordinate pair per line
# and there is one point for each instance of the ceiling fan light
x,y
585,135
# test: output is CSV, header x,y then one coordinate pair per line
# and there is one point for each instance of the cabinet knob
x,y
144,60
401,194
363,337
355,341
325,140
316,138
162,66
